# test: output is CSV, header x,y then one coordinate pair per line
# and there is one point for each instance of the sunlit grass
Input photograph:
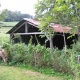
x,y
8,23
14,73
4,38
4,29
6,26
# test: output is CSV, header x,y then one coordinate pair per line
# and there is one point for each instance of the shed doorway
x,y
58,41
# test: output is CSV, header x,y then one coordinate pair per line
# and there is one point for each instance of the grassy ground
x,y
4,29
14,73
6,26
8,23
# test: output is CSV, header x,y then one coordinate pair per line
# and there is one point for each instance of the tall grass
x,y
4,38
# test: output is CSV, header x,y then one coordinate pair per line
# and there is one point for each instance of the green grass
x,y
6,26
8,23
4,29
16,73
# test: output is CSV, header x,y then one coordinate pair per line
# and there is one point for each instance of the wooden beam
x,y
26,28
32,24
29,33
18,27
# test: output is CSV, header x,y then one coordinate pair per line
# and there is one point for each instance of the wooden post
x,y
10,36
51,44
64,42
26,28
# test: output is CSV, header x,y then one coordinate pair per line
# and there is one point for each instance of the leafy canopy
x,y
3,14
66,12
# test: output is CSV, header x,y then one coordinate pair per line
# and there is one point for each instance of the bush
x,y
17,52
28,54
42,55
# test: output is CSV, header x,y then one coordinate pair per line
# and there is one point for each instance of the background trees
x,y
8,16
3,14
16,16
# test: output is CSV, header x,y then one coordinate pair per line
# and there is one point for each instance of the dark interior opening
x,y
21,29
32,28
35,39
58,40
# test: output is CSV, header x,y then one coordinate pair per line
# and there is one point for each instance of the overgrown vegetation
x,y
40,56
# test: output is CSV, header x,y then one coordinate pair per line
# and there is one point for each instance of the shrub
x,y
18,52
42,55
60,60
29,56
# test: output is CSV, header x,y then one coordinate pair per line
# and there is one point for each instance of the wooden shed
x,y
28,28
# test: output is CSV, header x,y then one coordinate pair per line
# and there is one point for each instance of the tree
x,y
65,12
3,14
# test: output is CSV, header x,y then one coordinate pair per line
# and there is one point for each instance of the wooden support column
x,y
64,42
10,36
51,44
26,28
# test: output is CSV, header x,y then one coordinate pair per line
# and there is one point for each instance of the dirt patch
x,y
32,73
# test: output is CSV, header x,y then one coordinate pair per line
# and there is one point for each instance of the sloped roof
x,y
36,22
59,28
56,27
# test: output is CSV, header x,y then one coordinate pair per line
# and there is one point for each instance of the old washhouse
x,y
28,28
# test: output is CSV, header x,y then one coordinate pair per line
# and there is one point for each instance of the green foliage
x,y
3,14
67,61
26,54
29,57
43,55
40,56
17,52
60,60
4,38
65,12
